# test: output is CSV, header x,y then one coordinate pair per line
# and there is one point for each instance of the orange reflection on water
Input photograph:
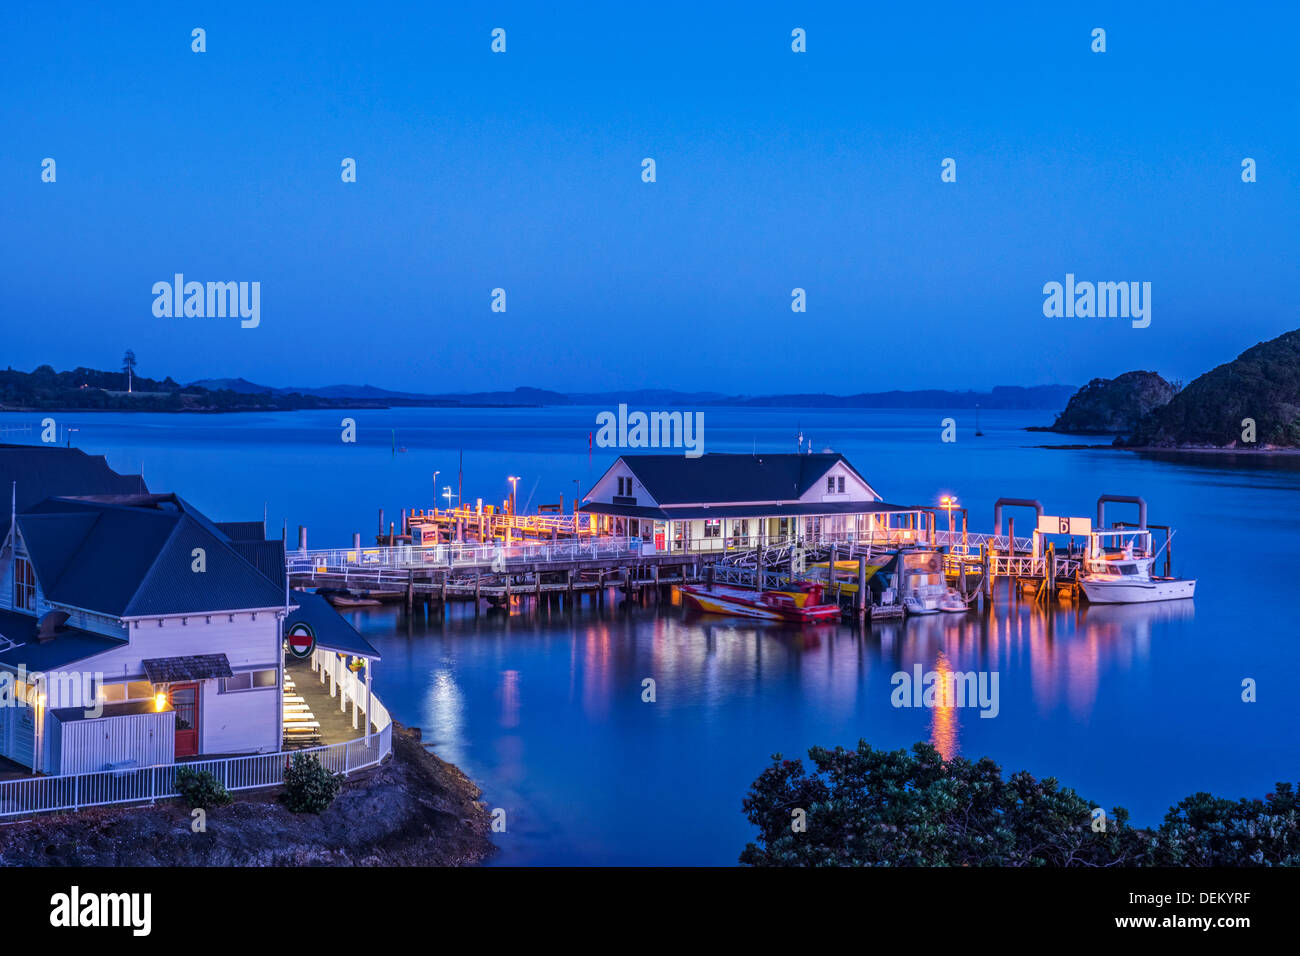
x,y
943,715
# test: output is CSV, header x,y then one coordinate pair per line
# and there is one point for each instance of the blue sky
x,y
775,170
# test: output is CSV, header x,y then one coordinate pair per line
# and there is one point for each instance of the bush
x,y
309,787
199,788
868,807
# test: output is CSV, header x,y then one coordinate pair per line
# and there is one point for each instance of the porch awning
x,y
170,670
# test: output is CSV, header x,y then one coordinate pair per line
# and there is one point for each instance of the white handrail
x,y
76,791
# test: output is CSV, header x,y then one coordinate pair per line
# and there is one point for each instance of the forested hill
x,y
1262,385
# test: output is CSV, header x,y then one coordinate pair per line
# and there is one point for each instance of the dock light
x,y
514,488
949,502
160,702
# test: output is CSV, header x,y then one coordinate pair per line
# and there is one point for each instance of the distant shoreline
x,y
1180,450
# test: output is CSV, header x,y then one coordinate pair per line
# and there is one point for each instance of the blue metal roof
x,y
136,559
68,646
719,478
331,630
44,470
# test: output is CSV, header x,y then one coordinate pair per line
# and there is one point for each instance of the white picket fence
x,y
76,791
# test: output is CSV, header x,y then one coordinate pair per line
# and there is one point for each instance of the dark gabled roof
x,y
169,670
42,471
266,556
796,509
242,530
69,645
331,630
136,560
717,477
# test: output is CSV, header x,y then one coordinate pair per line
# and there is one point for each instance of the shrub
x,y
869,807
309,787
199,788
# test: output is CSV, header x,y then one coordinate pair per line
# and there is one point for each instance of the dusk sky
x,y
522,170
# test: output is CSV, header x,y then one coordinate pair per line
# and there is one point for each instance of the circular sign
x,y
302,640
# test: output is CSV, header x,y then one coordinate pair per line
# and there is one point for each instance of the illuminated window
x,y
712,527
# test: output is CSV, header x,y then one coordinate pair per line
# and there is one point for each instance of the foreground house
x,y
719,501
134,631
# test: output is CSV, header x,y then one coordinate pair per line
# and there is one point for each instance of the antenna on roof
x,y
284,536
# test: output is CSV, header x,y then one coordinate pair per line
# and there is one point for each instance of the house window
x,y
840,480
830,484
712,527
133,690
742,530
249,680
24,585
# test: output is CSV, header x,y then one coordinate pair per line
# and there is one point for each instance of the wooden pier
x,y
483,556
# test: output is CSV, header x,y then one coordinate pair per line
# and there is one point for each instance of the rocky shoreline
x,y
413,810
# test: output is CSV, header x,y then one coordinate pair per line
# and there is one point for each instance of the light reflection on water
x,y
545,710
1137,706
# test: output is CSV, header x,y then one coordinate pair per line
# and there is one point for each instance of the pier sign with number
x,y
1054,524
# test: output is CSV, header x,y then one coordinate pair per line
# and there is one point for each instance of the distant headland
x,y
1251,404
83,389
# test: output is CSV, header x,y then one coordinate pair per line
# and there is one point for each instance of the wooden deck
x,y
335,725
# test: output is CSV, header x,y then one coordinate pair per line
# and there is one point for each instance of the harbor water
x,y
1133,706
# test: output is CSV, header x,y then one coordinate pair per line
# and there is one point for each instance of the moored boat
x,y
800,605
1123,575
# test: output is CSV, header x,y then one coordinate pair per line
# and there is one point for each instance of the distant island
x,y
44,389
1110,406
1249,404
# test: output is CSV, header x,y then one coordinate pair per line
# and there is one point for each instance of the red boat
x,y
801,604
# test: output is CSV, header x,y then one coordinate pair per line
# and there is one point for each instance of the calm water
x,y
1132,706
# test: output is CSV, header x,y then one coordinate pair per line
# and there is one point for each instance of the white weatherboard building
x,y
136,632
721,501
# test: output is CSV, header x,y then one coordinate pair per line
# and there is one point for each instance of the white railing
x,y
408,557
567,524
970,541
76,791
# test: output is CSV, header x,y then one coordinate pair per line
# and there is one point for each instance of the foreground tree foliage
x,y
869,807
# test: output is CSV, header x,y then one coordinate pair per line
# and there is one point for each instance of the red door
x,y
185,701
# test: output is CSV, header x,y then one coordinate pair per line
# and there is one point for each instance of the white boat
x,y
1123,576
953,603
926,599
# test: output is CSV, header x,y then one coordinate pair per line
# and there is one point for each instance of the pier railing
x,y
77,791
453,556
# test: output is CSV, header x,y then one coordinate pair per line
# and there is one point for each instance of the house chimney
x,y
50,625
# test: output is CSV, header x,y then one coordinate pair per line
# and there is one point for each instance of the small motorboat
x,y
802,605
341,597
953,603
1123,575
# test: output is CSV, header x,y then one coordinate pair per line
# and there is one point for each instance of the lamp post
x,y
514,488
448,494
949,503
435,484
